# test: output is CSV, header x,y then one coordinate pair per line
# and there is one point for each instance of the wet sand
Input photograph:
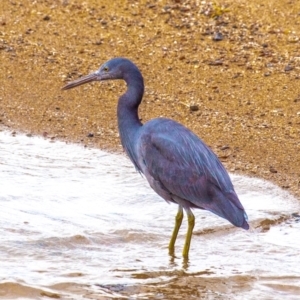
x,y
229,72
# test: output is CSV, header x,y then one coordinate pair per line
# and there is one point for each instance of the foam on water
x,y
66,209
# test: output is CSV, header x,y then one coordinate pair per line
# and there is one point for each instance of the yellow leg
x,y
191,224
178,221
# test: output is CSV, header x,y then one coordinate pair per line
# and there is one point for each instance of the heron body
x,y
178,165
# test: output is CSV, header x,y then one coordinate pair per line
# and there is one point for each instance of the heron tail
x,y
228,206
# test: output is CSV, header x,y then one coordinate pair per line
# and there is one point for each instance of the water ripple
x,y
81,223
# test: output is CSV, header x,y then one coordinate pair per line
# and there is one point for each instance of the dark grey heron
x,y
178,165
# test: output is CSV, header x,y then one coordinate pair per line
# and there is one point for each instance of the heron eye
x,y
105,69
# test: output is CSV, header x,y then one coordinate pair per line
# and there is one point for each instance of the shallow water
x,y
79,223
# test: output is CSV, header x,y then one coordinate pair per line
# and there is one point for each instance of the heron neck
x,y
128,119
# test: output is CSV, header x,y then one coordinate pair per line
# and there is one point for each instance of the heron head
x,y
116,68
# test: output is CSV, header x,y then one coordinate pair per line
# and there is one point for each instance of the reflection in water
x,y
77,222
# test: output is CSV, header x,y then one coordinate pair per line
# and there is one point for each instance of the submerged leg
x,y
191,224
178,221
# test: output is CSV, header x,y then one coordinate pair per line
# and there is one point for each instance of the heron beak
x,y
82,80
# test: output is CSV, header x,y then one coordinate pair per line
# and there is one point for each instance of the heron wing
x,y
183,164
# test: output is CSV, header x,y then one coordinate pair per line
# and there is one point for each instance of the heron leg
x,y
178,221
191,224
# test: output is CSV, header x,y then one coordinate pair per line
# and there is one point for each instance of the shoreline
x,y
119,151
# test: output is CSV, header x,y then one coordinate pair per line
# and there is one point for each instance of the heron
x,y
177,164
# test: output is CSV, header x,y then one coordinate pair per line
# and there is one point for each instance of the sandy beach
x,y
229,72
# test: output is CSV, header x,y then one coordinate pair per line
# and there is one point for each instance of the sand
x,y
228,71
